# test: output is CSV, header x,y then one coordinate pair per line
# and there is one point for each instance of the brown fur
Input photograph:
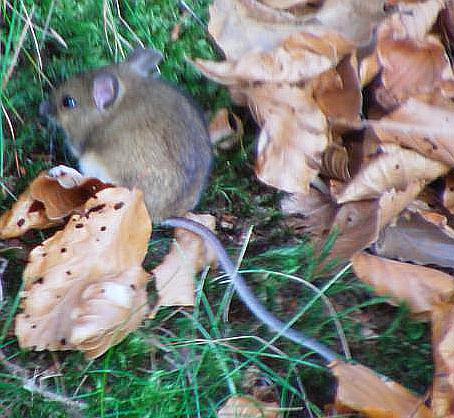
x,y
151,137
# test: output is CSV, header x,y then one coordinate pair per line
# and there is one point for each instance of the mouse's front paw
x,y
67,177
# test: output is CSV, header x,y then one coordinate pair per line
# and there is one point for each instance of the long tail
x,y
245,293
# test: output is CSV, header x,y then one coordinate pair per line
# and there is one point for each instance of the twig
x,y
30,385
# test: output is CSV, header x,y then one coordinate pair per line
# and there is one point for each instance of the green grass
x,y
183,363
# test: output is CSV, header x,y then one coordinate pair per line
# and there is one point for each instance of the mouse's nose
x,y
46,109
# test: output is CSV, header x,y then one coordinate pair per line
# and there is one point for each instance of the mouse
x,y
127,126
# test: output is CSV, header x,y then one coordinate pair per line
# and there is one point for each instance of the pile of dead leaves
x,y
354,102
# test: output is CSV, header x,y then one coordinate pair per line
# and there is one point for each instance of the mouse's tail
x,y
245,293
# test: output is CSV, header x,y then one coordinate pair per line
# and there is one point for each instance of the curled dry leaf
x,y
85,287
188,255
24,215
246,407
61,199
353,19
338,91
240,26
317,208
395,168
293,136
414,238
301,56
410,61
335,163
443,352
222,132
357,224
411,67
360,389
46,202
412,20
420,287
424,127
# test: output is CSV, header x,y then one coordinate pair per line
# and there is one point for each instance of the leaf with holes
x,y
85,286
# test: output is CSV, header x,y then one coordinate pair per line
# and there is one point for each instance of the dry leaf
x,y
239,26
301,56
413,238
46,202
188,256
413,20
353,19
443,351
317,208
247,407
420,287
292,139
338,91
395,168
426,128
24,215
357,224
60,201
221,131
335,163
361,390
410,67
85,287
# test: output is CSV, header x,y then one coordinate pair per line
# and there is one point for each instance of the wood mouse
x,y
128,127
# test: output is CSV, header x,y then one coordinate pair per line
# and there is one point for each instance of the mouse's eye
x,y
69,102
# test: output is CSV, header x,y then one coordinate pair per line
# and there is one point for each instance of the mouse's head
x,y
83,102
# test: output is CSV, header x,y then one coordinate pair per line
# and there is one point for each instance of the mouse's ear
x,y
144,60
105,90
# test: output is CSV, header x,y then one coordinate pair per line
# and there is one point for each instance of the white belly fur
x,y
90,166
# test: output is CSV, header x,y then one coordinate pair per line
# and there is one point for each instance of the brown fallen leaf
x,y
413,20
293,136
395,168
411,68
221,131
335,163
443,352
362,390
188,256
353,19
24,215
47,201
239,26
424,127
61,200
338,91
356,224
85,287
247,407
317,208
414,238
420,287
300,57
